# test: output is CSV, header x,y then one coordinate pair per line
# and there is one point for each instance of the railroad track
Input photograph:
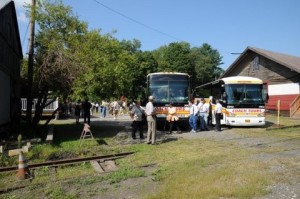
x,y
69,161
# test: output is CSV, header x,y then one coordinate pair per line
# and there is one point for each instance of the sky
x,y
229,26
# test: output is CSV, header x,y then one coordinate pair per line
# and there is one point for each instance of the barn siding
x,y
285,101
10,61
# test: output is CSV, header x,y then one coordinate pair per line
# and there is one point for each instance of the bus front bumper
x,y
255,121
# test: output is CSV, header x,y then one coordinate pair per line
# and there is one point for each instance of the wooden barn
x,y
10,61
280,73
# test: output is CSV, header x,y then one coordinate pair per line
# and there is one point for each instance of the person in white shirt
x,y
193,116
151,121
116,108
203,112
218,113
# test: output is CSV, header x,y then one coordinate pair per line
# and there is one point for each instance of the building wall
x,y
10,59
5,98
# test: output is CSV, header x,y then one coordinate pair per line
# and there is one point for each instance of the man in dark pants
x,y
86,106
136,114
218,115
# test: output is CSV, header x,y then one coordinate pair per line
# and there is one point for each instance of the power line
x,y
138,22
147,26
25,34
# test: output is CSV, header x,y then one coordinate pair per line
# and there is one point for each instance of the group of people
x,y
136,113
85,109
201,113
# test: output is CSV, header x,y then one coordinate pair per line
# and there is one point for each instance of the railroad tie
x,y
98,168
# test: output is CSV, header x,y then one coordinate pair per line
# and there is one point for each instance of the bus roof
x,y
166,73
233,80
241,80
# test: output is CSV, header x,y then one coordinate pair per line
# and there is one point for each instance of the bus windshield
x,y
169,89
243,94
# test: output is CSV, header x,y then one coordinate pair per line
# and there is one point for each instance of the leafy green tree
x,y
108,67
206,62
59,35
146,64
176,57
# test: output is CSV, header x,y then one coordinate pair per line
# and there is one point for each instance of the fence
x,y
50,108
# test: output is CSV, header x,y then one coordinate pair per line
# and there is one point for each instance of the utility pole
x,y
30,63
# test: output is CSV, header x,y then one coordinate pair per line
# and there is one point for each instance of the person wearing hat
x,y
172,118
151,121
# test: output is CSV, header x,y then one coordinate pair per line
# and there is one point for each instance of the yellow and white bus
x,y
167,88
243,100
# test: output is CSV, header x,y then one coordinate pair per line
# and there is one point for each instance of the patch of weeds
x,y
57,191
158,174
123,174
33,187
40,152
7,161
103,190
10,197
89,181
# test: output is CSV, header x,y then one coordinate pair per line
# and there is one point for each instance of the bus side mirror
x,y
265,95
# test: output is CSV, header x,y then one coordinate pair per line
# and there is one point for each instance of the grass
x,y
186,168
203,169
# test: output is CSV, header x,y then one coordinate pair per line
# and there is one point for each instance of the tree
x,y
176,57
206,64
202,63
57,41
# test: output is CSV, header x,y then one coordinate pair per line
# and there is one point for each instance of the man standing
x,y
151,121
203,112
86,106
193,116
116,109
136,114
218,115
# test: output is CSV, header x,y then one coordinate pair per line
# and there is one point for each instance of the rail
x,y
69,161
294,106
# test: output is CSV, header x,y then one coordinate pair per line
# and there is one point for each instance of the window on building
x,y
255,64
